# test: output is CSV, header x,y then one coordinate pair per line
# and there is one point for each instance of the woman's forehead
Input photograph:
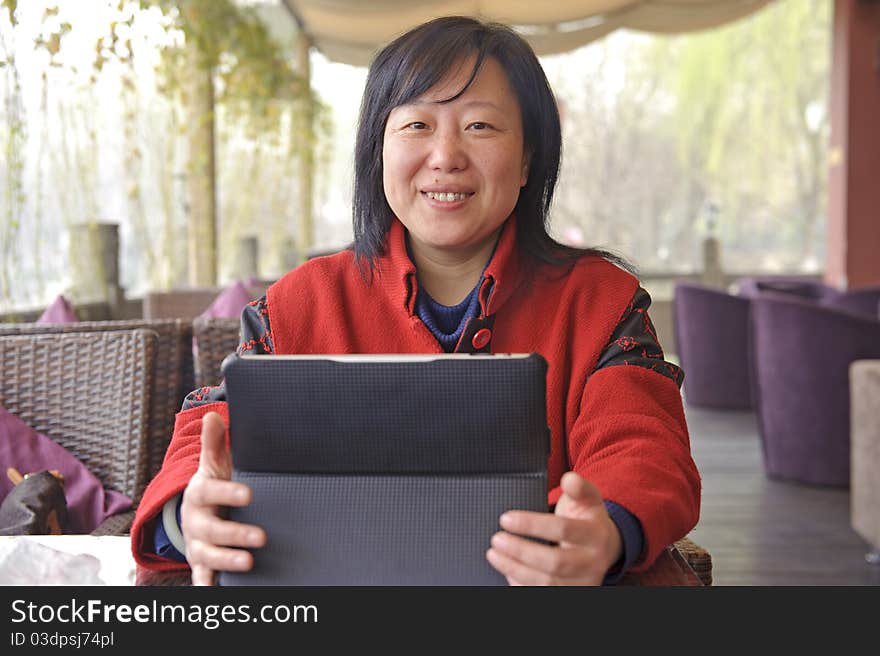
x,y
490,84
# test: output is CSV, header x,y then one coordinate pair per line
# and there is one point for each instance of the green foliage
x,y
255,77
11,7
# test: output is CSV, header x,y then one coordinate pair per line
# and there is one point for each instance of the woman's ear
x,y
524,178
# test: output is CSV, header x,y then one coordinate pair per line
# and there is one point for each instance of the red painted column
x,y
853,255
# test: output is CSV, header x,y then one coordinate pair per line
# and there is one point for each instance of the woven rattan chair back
x,y
172,378
90,393
216,338
699,559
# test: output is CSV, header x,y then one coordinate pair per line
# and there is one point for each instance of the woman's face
x,y
452,172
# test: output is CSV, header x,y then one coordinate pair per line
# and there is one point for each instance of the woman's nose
x,y
447,153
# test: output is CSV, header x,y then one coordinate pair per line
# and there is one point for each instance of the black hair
x,y
411,65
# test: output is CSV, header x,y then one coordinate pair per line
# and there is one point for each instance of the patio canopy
x,y
350,31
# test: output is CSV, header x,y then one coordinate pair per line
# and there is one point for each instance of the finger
x,y
202,575
14,475
551,560
214,455
218,558
518,573
222,532
513,570
580,489
553,528
204,491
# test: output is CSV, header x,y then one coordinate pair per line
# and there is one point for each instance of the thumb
x,y
579,489
214,458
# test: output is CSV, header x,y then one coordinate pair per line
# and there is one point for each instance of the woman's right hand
x,y
213,543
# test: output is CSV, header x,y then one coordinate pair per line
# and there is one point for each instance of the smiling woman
x,y
456,161
454,166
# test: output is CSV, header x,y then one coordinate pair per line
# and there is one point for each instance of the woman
x,y
456,161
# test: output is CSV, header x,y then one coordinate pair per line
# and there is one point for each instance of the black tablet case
x,y
377,472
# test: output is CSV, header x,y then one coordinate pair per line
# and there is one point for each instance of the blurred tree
x,y
15,139
751,124
231,60
659,128
656,130
104,125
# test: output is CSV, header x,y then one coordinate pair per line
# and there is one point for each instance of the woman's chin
x,y
455,247
444,237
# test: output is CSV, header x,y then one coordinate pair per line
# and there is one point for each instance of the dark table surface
x,y
670,569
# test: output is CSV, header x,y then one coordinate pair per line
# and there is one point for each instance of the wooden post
x,y
201,174
854,156
94,264
712,273
306,116
247,260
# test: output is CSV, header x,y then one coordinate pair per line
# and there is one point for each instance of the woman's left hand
x,y
586,541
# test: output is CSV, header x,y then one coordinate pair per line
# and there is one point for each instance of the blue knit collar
x,y
446,322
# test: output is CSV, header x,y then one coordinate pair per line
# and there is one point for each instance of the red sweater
x,y
621,427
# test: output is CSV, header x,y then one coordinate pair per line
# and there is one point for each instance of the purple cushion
x,y
88,503
229,303
59,311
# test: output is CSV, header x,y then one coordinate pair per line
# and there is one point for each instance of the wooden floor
x,y
761,531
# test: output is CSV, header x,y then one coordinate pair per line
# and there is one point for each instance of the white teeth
x,y
445,197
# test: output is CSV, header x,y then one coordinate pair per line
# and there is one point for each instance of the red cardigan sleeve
x,y
631,441
181,462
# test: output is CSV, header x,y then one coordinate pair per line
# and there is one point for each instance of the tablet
x,y
384,470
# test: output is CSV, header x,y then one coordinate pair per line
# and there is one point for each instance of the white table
x,y
66,560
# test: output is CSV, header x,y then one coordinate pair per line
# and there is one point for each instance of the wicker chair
x,y
59,383
216,338
172,376
697,557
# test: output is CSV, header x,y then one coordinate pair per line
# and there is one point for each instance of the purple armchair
x,y
711,335
806,287
865,301
801,352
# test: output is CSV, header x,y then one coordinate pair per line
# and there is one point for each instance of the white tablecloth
x,y
66,560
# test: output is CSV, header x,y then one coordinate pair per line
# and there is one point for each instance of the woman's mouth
x,y
446,197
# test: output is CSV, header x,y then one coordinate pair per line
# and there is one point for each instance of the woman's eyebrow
x,y
467,103
481,104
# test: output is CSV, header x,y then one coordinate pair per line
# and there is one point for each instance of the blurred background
x,y
668,139
163,161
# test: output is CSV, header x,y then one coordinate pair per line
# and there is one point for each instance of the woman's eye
x,y
416,125
479,125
